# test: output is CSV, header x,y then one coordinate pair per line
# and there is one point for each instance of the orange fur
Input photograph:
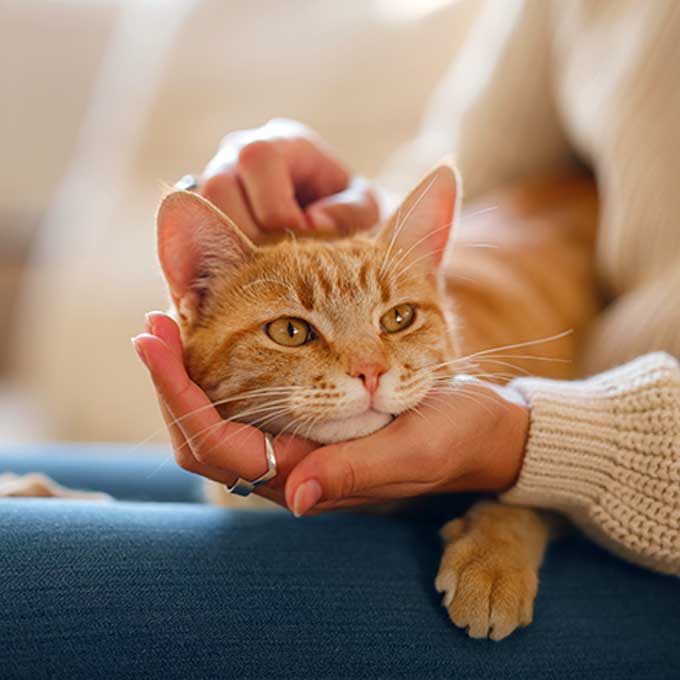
x,y
534,281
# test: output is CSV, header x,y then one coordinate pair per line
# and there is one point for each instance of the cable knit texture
x,y
606,452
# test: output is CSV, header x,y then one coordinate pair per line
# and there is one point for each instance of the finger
x,y
314,167
213,440
224,190
184,455
391,463
269,187
229,446
346,504
163,326
181,448
355,209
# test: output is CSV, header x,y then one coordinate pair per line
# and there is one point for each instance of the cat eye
x,y
398,318
289,331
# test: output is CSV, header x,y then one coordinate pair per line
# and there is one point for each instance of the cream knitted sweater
x,y
539,82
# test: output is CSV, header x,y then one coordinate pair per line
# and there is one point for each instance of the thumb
x,y
355,209
388,464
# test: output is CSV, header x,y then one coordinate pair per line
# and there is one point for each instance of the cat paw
x,y
487,587
36,485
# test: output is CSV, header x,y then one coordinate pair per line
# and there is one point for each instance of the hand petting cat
x,y
457,442
283,176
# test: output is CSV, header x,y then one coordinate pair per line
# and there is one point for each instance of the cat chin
x,y
331,431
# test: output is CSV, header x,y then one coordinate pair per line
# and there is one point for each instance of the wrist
x,y
501,452
505,467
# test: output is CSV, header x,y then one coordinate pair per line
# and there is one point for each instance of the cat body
x,y
331,340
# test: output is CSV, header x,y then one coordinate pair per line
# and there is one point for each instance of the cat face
x,y
328,339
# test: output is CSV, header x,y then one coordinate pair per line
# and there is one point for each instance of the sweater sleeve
x,y
606,453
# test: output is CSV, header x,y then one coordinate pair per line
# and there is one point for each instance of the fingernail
x,y
140,351
306,497
322,222
149,322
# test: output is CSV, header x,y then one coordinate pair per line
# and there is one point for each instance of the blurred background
x,y
103,102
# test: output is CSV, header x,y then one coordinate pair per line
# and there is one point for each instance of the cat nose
x,y
369,374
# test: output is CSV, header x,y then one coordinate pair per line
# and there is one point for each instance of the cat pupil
x,y
291,330
397,317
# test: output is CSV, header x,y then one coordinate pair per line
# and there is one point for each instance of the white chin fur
x,y
332,431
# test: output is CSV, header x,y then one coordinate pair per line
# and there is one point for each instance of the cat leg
x,y
36,485
489,570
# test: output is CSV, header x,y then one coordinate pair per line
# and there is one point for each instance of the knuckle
x,y
347,480
185,460
217,185
275,216
255,153
201,452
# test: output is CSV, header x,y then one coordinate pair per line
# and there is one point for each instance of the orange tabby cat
x,y
333,339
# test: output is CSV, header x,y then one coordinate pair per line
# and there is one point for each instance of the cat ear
x,y
196,241
422,224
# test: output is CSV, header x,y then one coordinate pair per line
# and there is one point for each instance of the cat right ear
x,y
422,224
196,241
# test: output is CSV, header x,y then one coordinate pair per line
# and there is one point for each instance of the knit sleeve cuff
x,y
605,451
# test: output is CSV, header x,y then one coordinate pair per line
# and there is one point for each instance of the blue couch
x,y
159,586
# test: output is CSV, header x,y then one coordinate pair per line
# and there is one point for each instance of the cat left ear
x,y
196,241
422,224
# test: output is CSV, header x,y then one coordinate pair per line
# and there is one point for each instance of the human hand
x,y
471,438
284,176
203,442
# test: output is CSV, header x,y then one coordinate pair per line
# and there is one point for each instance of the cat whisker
x,y
517,345
394,265
259,423
191,440
465,393
400,225
528,357
473,245
481,211
466,360
251,411
261,392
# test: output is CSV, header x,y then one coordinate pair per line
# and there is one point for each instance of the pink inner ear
x,y
421,226
180,258
194,240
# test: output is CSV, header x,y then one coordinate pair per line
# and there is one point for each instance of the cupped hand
x,y
469,438
203,442
283,176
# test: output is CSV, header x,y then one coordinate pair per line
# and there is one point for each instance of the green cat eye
x,y
289,331
398,318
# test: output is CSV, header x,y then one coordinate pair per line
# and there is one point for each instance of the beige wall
x,y
175,77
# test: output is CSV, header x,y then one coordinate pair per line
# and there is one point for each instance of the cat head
x,y
327,339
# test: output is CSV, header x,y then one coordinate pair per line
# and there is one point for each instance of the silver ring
x,y
242,487
187,183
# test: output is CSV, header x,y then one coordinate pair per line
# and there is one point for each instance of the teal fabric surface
x,y
180,590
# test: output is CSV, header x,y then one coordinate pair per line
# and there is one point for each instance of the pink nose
x,y
369,374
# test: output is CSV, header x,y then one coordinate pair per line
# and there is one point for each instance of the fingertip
x,y
319,220
309,467
139,348
164,327
306,496
152,350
